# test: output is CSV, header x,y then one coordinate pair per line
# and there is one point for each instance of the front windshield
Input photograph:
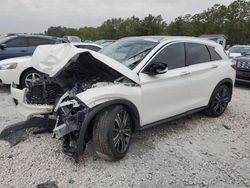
x,y
129,52
240,50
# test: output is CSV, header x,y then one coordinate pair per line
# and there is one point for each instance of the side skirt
x,y
160,122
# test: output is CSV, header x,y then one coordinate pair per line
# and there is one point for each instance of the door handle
x,y
214,66
185,73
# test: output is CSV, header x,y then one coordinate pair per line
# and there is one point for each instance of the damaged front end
x,y
54,96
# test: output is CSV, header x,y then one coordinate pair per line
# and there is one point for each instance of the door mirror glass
x,y
157,68
3,46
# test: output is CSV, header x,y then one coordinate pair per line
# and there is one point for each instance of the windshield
x,y
129,52
240,50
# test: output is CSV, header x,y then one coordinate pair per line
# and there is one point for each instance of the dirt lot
x,y
194,152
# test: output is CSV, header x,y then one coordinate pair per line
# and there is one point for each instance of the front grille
x,y
243,65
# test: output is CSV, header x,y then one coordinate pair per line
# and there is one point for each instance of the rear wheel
x,y
219,101
112,133
28,77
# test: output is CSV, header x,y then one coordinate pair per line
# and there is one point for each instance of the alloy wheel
x,y
30,78
122,131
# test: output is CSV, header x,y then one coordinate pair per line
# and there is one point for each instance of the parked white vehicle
x,y
238,50
130,85
20,71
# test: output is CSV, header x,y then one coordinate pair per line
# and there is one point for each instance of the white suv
x,y
132,84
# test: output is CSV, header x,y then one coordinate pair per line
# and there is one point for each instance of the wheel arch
x,y
25,71
87,126
228,82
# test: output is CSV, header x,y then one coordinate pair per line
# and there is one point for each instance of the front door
x,y
165,95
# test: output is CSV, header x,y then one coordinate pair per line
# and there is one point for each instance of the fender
x,y
228,81
94,111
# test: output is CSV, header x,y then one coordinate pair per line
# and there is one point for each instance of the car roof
x,y
30,35
161,39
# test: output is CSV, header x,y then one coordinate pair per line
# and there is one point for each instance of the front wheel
x,y
112,133
219,101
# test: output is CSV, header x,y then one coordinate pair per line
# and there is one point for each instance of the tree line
x,y
232,20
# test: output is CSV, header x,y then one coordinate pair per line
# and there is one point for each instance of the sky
x,y
34,16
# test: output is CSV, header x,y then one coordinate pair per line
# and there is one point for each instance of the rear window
x,y
196,53
214,55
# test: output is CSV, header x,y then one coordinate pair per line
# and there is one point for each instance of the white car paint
x,y
156,97
13,75
24,63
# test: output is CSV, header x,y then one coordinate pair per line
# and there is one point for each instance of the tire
x,y
219,101
31,75
112,133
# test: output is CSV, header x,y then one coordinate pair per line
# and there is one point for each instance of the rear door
x,y
16,47
165,95
203,63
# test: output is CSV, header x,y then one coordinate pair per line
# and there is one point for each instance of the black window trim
x,y
148,63
200,44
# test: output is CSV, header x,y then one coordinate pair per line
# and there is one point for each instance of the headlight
x,y
8,66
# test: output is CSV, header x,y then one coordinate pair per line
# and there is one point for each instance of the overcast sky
x,y
37,15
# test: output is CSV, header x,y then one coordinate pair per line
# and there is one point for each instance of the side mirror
x,y
3,46
156,68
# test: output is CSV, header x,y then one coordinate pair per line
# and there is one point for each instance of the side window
x,y
38,41
173,56
214,55
197,53
16,43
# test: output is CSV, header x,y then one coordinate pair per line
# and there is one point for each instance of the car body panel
x,y
13,75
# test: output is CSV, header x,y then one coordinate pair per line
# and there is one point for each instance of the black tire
x,y
219,101
112,133
26,74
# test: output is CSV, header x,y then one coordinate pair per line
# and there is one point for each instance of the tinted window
x,y
94,48
173,56
38,41
214,55
197,53
16,43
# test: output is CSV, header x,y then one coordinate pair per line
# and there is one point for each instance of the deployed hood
x,y
51,59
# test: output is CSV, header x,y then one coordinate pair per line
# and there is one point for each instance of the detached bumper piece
x,y
14,133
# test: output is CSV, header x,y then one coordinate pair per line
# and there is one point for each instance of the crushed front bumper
x,y
28,110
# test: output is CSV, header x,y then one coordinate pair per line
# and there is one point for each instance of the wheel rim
x,y
30,78
221,100
122,131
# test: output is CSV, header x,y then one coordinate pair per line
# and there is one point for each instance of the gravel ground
x,y
195,151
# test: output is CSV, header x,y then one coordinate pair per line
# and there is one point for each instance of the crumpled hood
x,y
51,59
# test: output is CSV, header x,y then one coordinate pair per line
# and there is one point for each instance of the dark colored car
x,y
243,69
23,45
